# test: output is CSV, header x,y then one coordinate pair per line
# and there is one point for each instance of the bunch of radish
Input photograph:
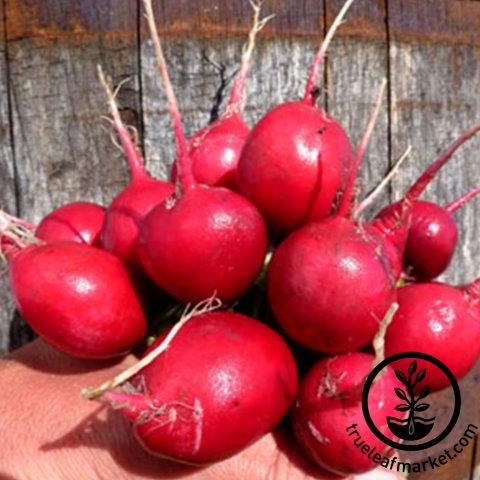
x,y
214,380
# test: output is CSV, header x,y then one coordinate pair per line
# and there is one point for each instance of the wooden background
x,y
55,149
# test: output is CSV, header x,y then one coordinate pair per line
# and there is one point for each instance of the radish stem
x,y
419,186
345,207
460,202
320,56
130,149
18,231
237,97
379,339
185,169
379,188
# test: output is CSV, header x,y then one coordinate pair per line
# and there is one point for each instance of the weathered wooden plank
x,y
451,21
7,185
278,73
355,72
62,152
435,21
434,98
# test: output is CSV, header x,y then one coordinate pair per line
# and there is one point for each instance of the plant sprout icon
x,y
414,426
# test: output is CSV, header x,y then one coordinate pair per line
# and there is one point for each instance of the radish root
x,y
460,202
17,231
129,146
379,339
237,97
312,80
185,170
205,306
421,183
380,187
345,206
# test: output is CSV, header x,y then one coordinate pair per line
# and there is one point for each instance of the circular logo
x,y
413,422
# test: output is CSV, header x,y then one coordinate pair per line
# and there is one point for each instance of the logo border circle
x,y
366,391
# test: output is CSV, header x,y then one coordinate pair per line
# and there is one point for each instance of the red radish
x,y
79,222
131,205
206,239
390,214
77,297
432,238
215,149
296,159
330,282
440,320
223,382
329,410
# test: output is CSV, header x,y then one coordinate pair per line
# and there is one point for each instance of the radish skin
x,y
79,298
432,238
404,213
440,320
329,403
330,282
204,399
296,159
79,222
215,149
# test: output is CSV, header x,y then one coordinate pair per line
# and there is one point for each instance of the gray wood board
x,y
7,186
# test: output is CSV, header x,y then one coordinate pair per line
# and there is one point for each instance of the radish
x,y
206,239
330,282
432,238
77,297
223,382
79,222
296,159
131,205
215,149
440,320
328,412
390,214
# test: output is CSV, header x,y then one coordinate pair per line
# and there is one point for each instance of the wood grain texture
x,y
7,185
450,21
434,99
279,73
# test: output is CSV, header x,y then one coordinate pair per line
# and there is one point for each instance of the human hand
x,y
50,433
